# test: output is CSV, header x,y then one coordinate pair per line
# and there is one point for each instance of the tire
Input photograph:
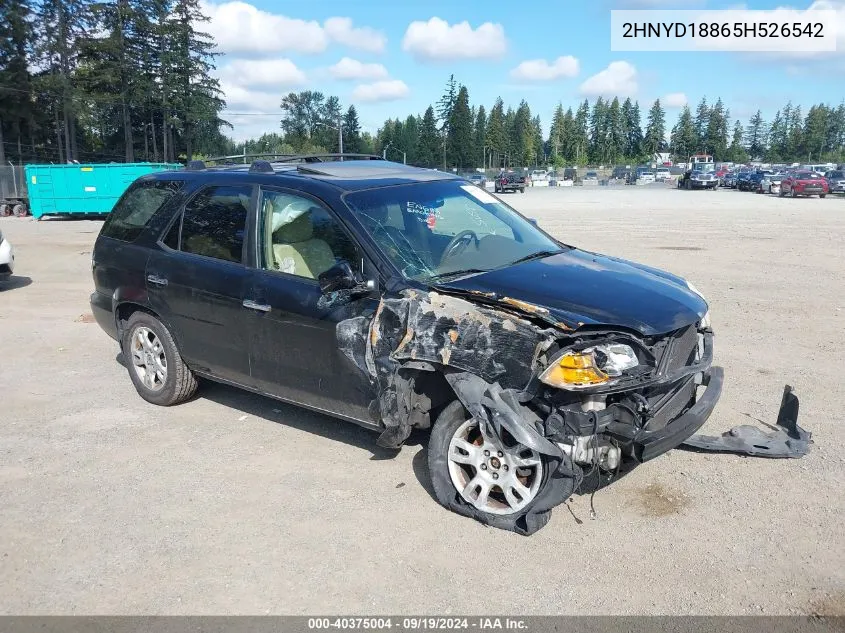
x,y
450,425
179,382
522,190
5,211
792,193
19,211
822,195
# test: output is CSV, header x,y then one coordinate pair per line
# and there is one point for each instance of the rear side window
x,y
213,224
132,212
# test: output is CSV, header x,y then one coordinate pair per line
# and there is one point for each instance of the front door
x,y
197,282
294,352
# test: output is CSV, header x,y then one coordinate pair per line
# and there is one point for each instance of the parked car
x,y
645,176
7,258
401,298
590,177
477,179
728,180
620,173
662,174
770,183
743,180
570,173
698,180
755,180
804,183
509,181
835,181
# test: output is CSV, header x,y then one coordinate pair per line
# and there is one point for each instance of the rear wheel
x,y
495,476
822,195
19,210
155,366
5,211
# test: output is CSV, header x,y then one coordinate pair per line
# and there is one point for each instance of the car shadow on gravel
x,y
14,282
290,415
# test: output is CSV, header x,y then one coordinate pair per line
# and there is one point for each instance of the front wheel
x,y
481,475
822,195
155,366
522,190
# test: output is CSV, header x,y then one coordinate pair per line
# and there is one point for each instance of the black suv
x,y
401,298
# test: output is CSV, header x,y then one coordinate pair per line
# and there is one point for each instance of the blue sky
x,y
393,58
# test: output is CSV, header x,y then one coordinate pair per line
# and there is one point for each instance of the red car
x,y
804,183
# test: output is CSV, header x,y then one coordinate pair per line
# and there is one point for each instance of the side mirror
x,y
338,277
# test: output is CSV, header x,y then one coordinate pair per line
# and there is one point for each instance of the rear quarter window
x,y
135,208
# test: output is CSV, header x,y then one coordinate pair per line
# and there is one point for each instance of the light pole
x,y
339,128
390,146
384,152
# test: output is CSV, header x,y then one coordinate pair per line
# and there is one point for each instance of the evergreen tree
x,y
716,142
755,136
702,122
459,139
352,132
556,135
815,132
684,135
495,134
736,151
617,137
15,80
633,129
428,142
598,132
582,133
479,131
655,129
569,138
795,146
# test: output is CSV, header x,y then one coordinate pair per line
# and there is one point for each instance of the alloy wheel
x,y
496,476
148,358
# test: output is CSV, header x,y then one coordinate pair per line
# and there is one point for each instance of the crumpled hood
x,y
582,288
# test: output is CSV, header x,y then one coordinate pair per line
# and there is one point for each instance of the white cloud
x,y
389,90
618,79
437,40
279,74
348,68
364,38
657,4
240,99
541,70
240,28
674,100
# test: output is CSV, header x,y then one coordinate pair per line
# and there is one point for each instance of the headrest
x,y
300,229
292,222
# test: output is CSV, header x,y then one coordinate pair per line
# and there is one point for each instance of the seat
x,y
296,251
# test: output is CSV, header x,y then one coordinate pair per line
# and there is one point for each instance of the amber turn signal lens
x,y
574,370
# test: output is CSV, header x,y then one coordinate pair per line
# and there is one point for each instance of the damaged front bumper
x,y
648,444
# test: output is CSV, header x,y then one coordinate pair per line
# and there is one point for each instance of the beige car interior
x,y
292,247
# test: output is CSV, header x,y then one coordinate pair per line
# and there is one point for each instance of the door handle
x,y
158,281
252,305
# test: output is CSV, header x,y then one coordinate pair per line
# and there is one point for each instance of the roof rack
x,y
290,158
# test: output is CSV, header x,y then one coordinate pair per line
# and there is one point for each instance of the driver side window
x,y
459,213
300,237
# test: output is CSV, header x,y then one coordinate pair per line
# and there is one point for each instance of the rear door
x,y
196,280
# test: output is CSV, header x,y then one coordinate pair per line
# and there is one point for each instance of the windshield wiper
x,y
537,255
456,273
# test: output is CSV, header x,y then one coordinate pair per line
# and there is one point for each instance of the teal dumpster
x,y
82,189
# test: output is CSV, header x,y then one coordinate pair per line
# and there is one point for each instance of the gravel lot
x,y
234,503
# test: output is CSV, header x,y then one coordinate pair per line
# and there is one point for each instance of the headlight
x,y
593,366
704,324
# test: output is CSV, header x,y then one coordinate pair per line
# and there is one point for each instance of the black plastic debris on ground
x,y
786,440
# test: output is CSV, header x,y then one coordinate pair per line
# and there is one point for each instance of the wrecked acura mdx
x,y
401,298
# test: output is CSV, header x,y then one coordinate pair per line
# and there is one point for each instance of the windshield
x,y
430,230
